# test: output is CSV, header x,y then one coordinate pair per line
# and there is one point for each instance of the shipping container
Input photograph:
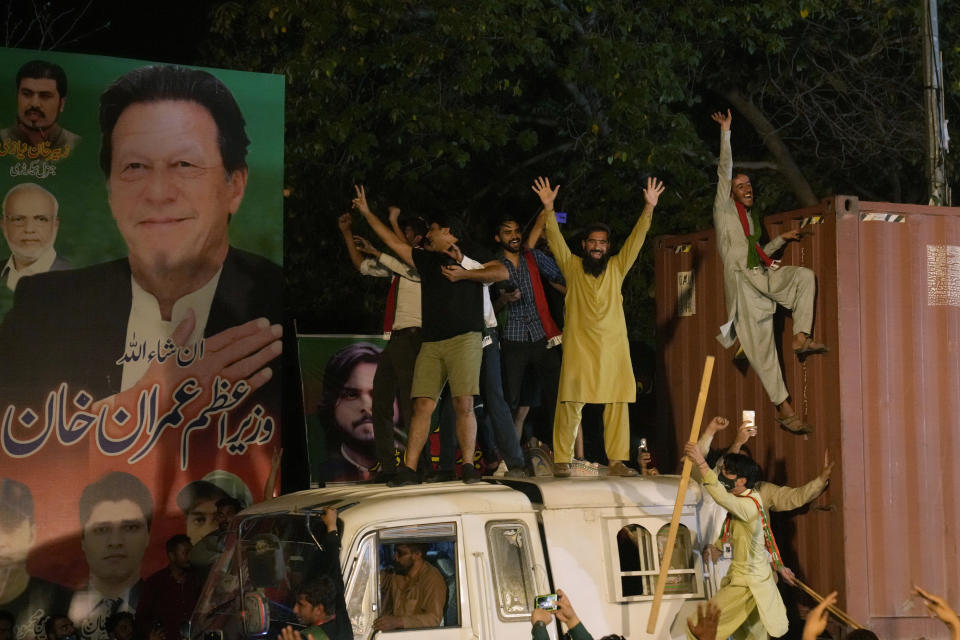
x,y
885,401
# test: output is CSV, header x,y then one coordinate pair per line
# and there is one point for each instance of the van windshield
x,y
268,557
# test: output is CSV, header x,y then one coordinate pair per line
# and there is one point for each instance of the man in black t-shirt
x,y
452,311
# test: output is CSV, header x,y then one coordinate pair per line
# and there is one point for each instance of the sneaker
x,y
561,469
517,472
384,476
620,470
469,474
404,477
439,475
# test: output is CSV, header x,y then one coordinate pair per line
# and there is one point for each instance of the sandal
x,y
794,425
809,348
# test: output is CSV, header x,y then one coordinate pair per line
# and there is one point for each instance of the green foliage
x,y
453,106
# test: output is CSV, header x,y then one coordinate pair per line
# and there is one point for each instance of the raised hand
x,y
718,423
541,187
364,245
651,195
329,518
712,553
540,615
393,212
565,612
708,617
817,618
746,431
360,202
692,451
827,466
345,222
723,120
939,607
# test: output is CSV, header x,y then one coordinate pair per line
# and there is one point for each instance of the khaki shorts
x,y
457,359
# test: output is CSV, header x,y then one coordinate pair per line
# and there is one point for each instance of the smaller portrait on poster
x,y
28,599
338,374
41,100
29,220
115,516
198,501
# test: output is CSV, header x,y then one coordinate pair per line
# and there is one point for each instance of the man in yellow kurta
x,y
748,599
596,354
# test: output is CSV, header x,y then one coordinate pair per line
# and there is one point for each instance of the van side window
x,y
639,562
680,579
636,555
509,547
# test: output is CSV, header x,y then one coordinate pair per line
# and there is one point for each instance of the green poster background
x,y
56,474
88,234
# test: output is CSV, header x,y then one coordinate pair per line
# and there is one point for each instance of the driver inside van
x,y
413,592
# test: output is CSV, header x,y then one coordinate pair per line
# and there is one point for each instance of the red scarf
x,y
540,298
742,211
391,308
768,540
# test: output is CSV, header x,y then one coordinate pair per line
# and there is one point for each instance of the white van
x,y
498,544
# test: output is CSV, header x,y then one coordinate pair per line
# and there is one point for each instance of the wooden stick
x,y
681,494
843,617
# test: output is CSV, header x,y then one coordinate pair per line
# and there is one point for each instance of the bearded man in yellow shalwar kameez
x,y
596,365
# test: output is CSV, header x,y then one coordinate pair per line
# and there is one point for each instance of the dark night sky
x,y
166,31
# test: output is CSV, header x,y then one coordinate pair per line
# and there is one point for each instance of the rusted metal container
x,y
885,400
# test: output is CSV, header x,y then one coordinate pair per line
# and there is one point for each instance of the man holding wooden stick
x,y
748,598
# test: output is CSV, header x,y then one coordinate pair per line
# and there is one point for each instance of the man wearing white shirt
x,y
30,223
402,329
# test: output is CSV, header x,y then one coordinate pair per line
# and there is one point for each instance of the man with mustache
x,y
346,411
29,222
596,365
41,96
754,285
531,338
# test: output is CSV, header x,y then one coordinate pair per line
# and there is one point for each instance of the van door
x,y
432,604
506,570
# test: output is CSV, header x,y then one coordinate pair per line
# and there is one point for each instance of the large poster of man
x,y
140,320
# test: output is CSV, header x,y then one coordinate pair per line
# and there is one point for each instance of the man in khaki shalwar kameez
x,y
596,364
749,602
754,285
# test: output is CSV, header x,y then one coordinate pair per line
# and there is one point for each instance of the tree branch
x,y
774,144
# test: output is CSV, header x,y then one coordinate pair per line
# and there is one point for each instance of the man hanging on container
x,y
754,284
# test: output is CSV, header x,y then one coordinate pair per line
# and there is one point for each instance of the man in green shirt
x,y
316,603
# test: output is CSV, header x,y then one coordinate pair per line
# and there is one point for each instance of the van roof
x,y
493,494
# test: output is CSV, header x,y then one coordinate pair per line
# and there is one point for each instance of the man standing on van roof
x,y
754,285
749,597
596,354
